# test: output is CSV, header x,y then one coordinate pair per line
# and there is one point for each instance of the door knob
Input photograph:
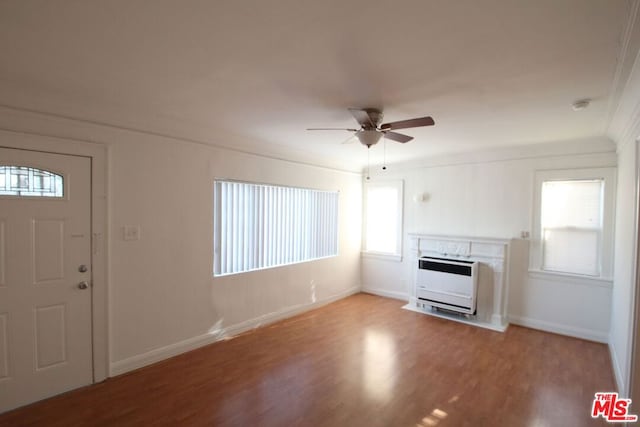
x,y
83,285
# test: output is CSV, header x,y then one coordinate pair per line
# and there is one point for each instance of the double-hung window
x,y
573,232
259,226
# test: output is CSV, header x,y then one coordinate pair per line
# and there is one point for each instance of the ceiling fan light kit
x,y
368,137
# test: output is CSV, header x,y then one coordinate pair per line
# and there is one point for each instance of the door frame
x,y
633,382
98,155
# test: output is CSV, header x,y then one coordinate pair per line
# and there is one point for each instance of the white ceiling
x,y
253,75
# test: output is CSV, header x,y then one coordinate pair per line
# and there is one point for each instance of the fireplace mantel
x,y
491,253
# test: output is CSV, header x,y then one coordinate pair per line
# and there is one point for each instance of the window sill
x,y
217,275
575,279
382,256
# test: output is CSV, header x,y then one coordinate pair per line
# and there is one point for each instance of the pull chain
x,y
368,162
384,158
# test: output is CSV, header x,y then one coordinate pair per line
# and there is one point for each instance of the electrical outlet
x,y
131,232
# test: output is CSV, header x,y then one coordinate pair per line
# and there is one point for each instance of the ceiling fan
x,y
371,130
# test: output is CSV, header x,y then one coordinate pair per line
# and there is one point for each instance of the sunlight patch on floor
x,y
436,415
379,365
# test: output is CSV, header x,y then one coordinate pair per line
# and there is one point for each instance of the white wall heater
x,y
451,284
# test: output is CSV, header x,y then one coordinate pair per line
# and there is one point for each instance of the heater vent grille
x,y
448,283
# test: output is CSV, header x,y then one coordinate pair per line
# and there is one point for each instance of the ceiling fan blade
x,y
398,137
349,140
411,123
362,117
347,129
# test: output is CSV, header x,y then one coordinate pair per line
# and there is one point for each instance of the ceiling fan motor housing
x,y
376,117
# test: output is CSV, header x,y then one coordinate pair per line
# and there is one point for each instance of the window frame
x,y
399,186
606,235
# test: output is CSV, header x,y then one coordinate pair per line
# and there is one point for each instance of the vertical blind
x,y
259,226
571,217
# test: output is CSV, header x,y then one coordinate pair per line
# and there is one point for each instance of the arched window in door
x,y
30,182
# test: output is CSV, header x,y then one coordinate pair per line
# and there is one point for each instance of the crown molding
x,y
624,102
602,146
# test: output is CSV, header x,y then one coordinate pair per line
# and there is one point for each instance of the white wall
x,y
163,298
491,195
623,289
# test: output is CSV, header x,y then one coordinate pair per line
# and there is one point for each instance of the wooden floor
x,y
361,361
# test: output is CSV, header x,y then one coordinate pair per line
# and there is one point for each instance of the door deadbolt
x,y
83,269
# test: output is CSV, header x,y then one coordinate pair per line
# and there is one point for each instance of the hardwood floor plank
x,y
361,361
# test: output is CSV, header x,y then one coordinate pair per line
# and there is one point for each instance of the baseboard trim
x,y
557,328
138,361
388,294
617,372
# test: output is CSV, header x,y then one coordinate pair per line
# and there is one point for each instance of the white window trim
x,y
382,256
397,256
608,174
573,279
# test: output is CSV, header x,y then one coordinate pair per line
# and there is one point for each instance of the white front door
x,y
45,275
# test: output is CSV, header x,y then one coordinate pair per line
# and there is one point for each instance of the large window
x,y
574,231
259,226
383,218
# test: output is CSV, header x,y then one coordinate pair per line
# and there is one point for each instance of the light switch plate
x,y
131,232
